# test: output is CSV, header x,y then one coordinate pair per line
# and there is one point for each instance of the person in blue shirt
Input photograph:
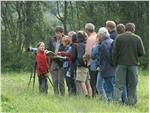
x,y
67,52
107,70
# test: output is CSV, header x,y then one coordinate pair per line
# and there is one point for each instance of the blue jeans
x,y
100,85
109,82
105,86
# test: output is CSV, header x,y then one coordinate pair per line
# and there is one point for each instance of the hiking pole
x,y
50,81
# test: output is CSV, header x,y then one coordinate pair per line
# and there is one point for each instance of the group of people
x,y
103,63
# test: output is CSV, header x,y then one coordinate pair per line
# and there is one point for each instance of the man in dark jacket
x,y
56,66
128,47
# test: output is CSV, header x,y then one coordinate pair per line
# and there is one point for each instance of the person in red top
x,y
42,67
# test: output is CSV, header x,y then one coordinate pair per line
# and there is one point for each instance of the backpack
x,y
80,53
74,52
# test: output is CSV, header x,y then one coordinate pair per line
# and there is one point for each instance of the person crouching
x,y
42,67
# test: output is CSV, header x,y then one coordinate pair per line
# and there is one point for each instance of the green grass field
x,y
16,97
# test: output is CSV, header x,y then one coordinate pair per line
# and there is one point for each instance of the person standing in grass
x,y
42,67
56,66
128,47
67,52
94,66
91,41
107,70
83,77
121,29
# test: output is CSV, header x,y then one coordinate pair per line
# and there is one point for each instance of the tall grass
x,y
17,98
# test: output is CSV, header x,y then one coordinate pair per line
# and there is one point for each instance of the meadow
x,y
16,97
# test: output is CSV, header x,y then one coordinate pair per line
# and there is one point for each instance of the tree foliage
x,y
24,23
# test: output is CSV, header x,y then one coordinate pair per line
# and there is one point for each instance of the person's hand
x,y
46,74
86,57
58,53
98,69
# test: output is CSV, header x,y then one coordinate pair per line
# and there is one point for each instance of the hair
x,y
74,38
120,28
59,29
90,27
111,24
71,32
66,39
39,44
103,32
130,27
81,36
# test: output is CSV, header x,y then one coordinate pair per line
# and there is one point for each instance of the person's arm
x,y
115,51
140,48
97,56
50,45
67,54
88,49
94,53
50,48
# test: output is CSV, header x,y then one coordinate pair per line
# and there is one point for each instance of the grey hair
x,y
72,32
90,27
103,32
130,27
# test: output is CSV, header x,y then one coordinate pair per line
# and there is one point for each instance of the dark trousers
x,y
71,85
43,85
58,81
93,79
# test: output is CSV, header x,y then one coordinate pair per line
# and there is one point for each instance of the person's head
x,y
65,41
110,25
70,34
59,31
89,28
120,28
41,46
98,39
103,32
74,38
81,36
130,27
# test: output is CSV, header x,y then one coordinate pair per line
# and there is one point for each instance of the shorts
x,y
82,74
